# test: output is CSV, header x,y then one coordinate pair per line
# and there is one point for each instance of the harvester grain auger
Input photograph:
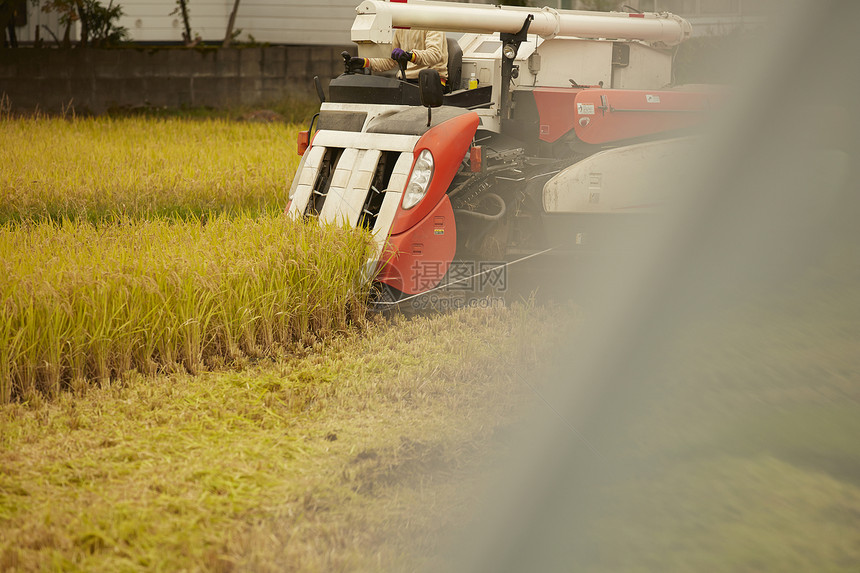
x,y
566,108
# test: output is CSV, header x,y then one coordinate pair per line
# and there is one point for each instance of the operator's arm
x,y
426,49
385,64
432,52
380,64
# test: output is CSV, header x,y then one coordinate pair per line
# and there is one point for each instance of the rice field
x,y
347,454
96,168
88,302
152,245
372,451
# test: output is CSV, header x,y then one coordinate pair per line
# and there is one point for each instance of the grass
x,y
97,168
93,302
347,455
369,451
745,454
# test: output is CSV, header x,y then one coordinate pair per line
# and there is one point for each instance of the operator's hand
x,y
397,54
356,64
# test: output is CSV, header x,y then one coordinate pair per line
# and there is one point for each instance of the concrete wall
x,y
96,80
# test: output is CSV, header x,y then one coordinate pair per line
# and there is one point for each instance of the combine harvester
x,y
566,111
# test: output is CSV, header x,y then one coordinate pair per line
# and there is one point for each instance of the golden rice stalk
x,y
95,168
85,301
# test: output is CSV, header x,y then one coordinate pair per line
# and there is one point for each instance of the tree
x,y
98,22
182,9
12,12
228,37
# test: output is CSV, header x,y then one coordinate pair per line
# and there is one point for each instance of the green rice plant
x,y
98,168
91,302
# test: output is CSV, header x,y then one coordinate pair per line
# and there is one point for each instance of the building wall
x,y
328,22
307,22
297,22
155,20
97,80
682,7
41,26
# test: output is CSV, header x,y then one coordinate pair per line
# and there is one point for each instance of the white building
x,y
319,22
324,22
328,22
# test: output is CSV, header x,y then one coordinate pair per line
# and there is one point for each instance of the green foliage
x,y
101,23
98,22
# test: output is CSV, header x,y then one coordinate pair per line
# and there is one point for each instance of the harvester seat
x,y
455,65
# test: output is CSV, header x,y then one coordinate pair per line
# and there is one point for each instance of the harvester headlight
x,y
509,51
419,181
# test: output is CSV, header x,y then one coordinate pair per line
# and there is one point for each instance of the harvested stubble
x,y
89,302
95,168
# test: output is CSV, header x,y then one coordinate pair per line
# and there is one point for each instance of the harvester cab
x,y
549,120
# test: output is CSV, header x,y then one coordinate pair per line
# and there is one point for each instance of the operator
x,y
422,49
